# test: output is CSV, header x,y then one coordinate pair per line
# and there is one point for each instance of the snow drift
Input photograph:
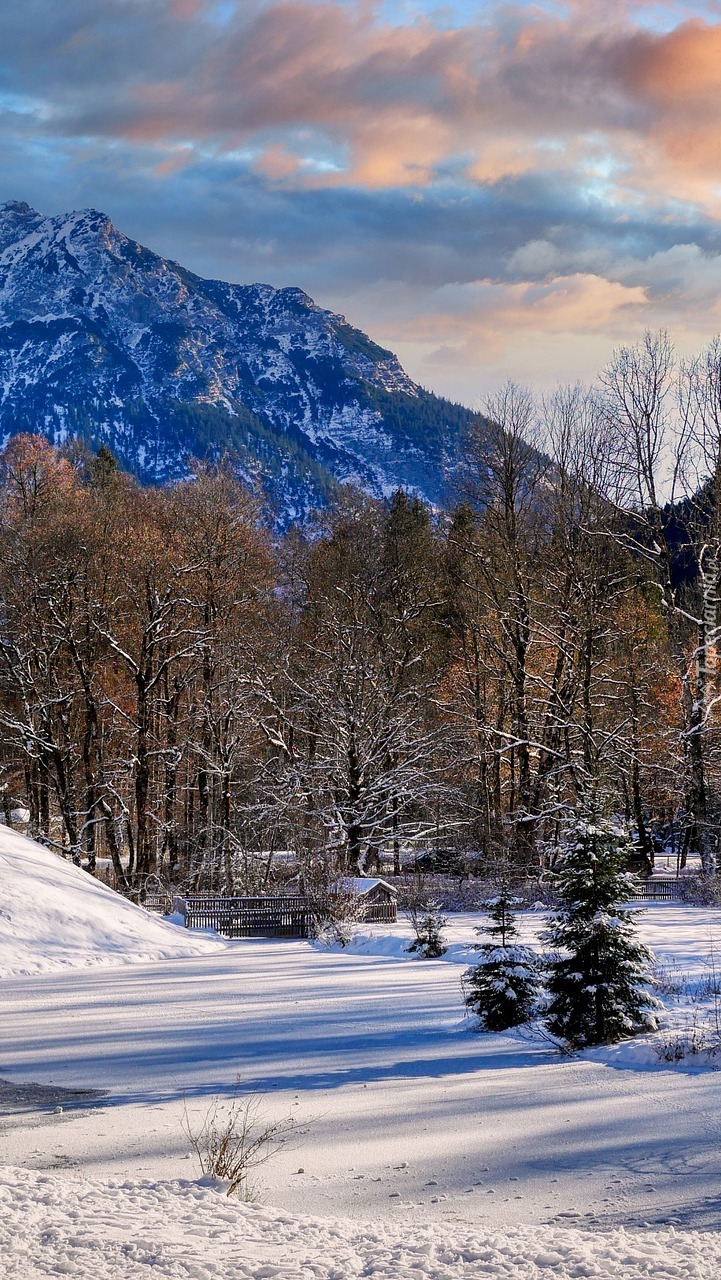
x,y
53,916
123,1230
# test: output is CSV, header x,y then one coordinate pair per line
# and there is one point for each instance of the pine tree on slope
x,y
502,987
598,982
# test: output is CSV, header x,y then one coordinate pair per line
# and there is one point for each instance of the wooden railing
x,y
247,917
278,917
658,890
157,902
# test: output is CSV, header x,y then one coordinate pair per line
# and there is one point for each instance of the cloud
x,y
475,186
350,97
568,303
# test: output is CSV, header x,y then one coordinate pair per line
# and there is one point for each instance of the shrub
x,y
428,925
234,1140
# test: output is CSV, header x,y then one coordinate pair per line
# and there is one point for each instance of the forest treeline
x,y
184,694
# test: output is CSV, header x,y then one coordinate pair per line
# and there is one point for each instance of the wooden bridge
x,y
247,917
658,891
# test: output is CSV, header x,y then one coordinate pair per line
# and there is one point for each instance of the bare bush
x,y
336,908
669,980
471,895
235,1139
701,890
695,1038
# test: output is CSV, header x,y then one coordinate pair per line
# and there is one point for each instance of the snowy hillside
x,y
55,916
103,339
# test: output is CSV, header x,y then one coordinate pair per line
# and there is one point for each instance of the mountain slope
x,y
103,339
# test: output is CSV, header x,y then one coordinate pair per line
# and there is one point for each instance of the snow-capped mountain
x,y
103,339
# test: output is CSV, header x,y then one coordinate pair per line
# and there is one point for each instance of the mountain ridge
x,y
103,339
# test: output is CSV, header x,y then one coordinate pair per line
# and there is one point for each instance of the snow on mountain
x,y
103,339
55,916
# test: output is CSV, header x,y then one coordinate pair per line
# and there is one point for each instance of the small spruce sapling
x,y
502,988
428,924
598,982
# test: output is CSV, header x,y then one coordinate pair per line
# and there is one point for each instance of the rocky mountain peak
x,y
102,338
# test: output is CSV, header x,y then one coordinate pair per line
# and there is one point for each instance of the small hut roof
x,y
364,884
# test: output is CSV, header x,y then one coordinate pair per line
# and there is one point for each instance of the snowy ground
x,y
120,1230
420,1147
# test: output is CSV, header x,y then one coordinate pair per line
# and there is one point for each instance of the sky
x,y
491,190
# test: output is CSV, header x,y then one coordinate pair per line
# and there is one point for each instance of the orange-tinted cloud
x,y
382,104
364,100
681,68
535,178
186,10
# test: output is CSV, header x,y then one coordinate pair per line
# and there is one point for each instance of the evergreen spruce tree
x,y
503,987
428,924
104,468
598,981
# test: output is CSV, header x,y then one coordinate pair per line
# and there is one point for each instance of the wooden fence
x,y
280,917
658,891
247,917
158,902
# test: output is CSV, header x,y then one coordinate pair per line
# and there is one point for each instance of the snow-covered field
x,y
420,1149
123,1230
